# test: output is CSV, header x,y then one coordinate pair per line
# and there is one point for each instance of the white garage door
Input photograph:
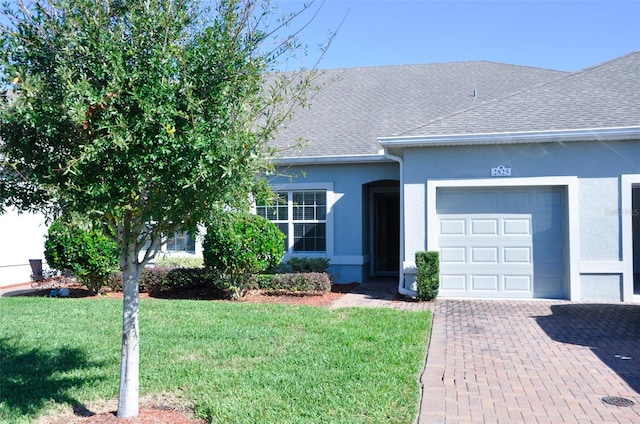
x,y
503,243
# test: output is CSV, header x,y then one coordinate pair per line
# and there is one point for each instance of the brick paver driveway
x,y
532,362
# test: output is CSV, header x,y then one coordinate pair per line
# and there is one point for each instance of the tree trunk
x,y
129,366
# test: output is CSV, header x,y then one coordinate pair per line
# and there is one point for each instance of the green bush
x,y
180,262
296,265
300,283
238,245
160,281
73,245
428,275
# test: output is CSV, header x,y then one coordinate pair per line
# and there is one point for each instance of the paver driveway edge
x,y
433,394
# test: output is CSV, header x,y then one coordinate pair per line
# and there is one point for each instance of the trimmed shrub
x,y
73,245
428,275
180,262
299,283
296,265
159,281
239,244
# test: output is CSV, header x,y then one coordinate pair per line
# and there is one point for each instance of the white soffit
x,y
557,136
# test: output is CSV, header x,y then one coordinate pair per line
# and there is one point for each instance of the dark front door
x,y
635,225
386,233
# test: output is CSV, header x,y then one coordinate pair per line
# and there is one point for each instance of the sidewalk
x,y
16,289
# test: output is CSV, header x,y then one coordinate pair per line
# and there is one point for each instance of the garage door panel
x,y
517,255
454,255
484,255
485,283
518,283
483,227
549,255
516,197
453,227
453,283
549,286
516,227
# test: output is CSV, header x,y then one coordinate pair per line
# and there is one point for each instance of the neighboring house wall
x,y
590,175
348,223
23,237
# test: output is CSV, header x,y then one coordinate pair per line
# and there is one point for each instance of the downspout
x,y
401,288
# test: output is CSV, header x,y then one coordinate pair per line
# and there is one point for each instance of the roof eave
x,y
557,136
323,160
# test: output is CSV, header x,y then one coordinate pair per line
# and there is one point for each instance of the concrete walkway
x,y
497,361
16,289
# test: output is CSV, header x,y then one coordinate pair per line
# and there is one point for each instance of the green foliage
x,y
75,246
239,244
163,281
303,283
428,275
180,262
303,264
140,115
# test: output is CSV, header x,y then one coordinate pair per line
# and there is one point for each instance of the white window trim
x,y
328,189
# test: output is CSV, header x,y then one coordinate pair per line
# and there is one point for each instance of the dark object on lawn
x,y
62,292
36,269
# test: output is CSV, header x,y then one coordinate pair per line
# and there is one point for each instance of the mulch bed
x,y
77,291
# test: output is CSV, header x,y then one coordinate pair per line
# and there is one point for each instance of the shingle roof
x,y
358,105
603,96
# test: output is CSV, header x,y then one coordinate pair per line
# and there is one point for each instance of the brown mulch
x,y
178,415
145,416
77,291
163,408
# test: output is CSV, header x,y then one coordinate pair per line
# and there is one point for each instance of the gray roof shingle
x,y
358,105
603,96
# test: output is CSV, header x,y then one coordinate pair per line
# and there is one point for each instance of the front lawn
x,y
235,362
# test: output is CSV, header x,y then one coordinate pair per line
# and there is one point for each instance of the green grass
x,y
236,362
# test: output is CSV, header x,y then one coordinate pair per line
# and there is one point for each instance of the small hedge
x,y
159,281
428,275
162,281
180,262
296,265
298,283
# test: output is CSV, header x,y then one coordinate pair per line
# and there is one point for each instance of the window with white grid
x,y
302,217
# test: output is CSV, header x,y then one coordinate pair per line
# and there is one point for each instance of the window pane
x,y
298,213
321,213
181,242
285,230
309,237
261,211
276,211
309,206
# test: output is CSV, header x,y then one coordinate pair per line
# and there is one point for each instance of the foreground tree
x,y
142,116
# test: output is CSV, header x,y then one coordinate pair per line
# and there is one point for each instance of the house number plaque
x,y
501,171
